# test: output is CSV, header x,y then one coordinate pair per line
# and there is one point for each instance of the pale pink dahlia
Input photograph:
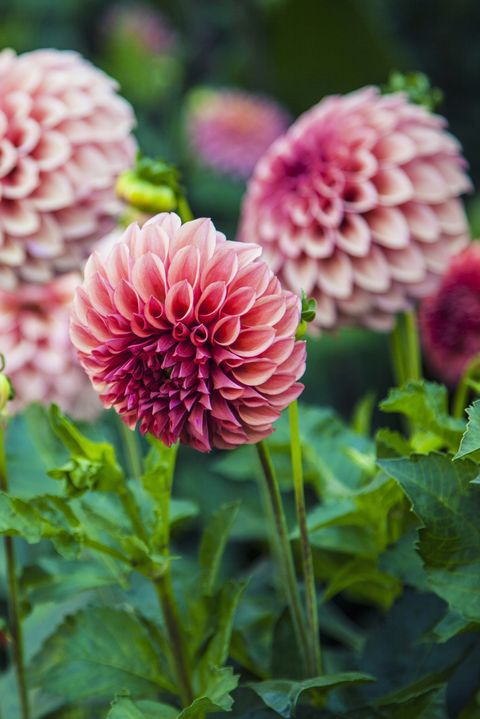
x,y
188,334
357,204
64,138
40,359
450,318
231,129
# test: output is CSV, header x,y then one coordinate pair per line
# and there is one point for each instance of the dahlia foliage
x,y
189,335
230,129
450,318
358,204
64,138
34,339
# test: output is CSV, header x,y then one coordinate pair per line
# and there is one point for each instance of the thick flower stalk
x,y
358,205
230,130
189,335
65,135
450,318
34,338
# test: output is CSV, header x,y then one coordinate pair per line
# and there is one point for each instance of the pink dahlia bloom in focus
x,y
40,359
64,138
358,205
450,318
230,129
188,334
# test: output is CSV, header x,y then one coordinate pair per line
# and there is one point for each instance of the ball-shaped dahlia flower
x,y
40,359
450,318
188,334
230,130
64,138
357,204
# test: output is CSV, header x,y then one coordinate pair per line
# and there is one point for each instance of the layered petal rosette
x,y
188,334
358,205
65,135
40,359
230,129
450,318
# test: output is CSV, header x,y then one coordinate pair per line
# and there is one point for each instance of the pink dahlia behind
x,y
230,129
450,318
40,359
65,135
188,334
141,23
357,204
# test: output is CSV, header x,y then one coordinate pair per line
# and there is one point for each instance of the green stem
x,y
105,549
132,449
184,209
164,589
306,550
405,349
287,566
15,623
460,398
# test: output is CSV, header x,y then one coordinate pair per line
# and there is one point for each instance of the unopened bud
x,y
417,86
309,310
144,195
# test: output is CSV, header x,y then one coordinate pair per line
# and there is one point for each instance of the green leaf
x,y
92,465
216,696
44,517
212,546
125,708
391,443
470,443
98,652
362,414
282,695
426,405
448,505
157,482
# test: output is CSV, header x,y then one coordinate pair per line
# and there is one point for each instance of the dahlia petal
x,y
52,151
47,240
185,265
262,415
179,302
222,266
268,310
240,301
452,174
100,293
314,242
388,227
148,277
422,221
21,181
353,235
301,274
199,233
256,276
406,264
395,149
8,157
393,185
226,331
371,272
53,193
451,216
360,196
254,372
253,341
335,276
211,301
18,218
428,183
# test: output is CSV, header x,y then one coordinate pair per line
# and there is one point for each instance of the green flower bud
x,y
417,86
309,310
144,195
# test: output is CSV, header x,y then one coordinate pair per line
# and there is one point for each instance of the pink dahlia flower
x,y
64,138
40,359
188,334
450,318
142,24
230,130
357,204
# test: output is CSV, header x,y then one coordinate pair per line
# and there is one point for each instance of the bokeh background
x,y
295,51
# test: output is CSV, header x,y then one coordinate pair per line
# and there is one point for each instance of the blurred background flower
x,y
357,205
230,130
64,137
40,360
450,318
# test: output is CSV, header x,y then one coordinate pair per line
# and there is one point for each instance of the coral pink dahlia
x,y
450,318
64,138
357,204
188,334
230,129
40,359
